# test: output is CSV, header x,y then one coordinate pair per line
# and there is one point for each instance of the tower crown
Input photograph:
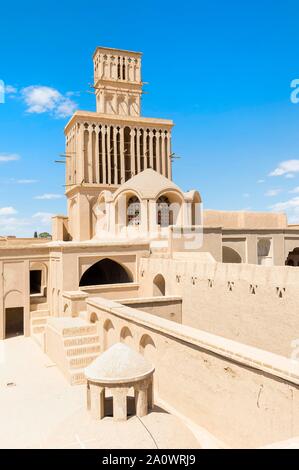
x,y
117,81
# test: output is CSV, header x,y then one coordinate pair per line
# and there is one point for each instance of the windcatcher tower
x,y
106,148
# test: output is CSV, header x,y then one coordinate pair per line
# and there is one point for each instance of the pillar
x,y
150,394
108,155
119,403
132,148
138,151
163,154
104,154
141,399
122,156
168,159
115,131
151,152
96,399
97,156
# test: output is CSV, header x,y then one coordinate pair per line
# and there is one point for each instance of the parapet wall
x,y
244,396
255,305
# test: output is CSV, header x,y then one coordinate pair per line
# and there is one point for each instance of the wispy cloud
x,y
48,196
43,217
26,181
44,99
260,181
272,192
294,190
8,157
7,210
10,90
291,207
286,168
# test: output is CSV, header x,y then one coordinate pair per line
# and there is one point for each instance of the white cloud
x,y
10,90
49,196
26,181
8,157
291,207
43,99
294,190
286,168
272,192
7,210
43,217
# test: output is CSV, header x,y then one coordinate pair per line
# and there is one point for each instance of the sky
x,y
227,73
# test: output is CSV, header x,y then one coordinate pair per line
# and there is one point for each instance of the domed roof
x,y
119,364
148,184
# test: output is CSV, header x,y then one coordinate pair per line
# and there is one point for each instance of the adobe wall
x,y
244,396
255,305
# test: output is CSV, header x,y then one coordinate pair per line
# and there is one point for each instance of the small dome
x,y
148,184
119,364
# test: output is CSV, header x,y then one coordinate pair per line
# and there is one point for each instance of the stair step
x,y
38,321
80,340
81,350
80,330
38,329
80,362
39,313
78,377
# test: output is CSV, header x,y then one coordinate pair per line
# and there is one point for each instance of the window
x,y
133,211
163,212
35,281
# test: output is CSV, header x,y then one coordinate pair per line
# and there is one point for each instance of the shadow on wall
x,y
230,256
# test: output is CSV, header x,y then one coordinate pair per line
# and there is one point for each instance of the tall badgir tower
x,y
106,148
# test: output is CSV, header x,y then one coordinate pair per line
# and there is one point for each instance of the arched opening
x,y
264,251
293,258
147,348
126,336
158,285
164,214
168,209
93,318
133,211
108,334
105,271
230,256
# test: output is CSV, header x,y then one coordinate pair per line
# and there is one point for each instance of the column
x,y
122,156
141,399
168,161
115,131
108,155
80,153
89,154
138,150
145,151
159,150
132,146
104,154
97,156
119,403
151,153
97,401
163,154
150,394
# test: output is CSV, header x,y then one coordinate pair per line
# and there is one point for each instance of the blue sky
x,y
221,70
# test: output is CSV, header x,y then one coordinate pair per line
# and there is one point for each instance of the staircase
x,y
72,343
38,321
